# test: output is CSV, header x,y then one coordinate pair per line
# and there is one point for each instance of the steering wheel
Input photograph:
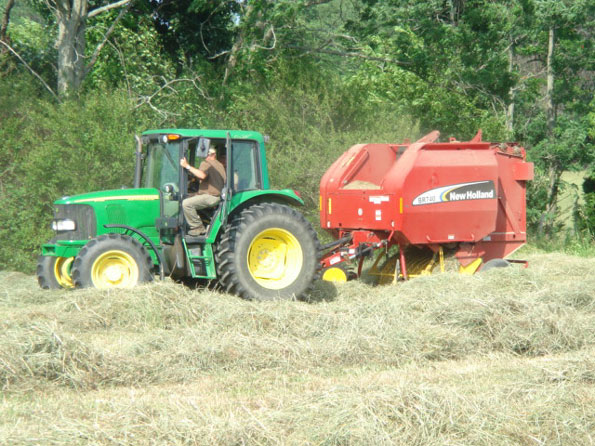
x,y
170,189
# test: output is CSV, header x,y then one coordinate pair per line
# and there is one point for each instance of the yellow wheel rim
x,y
334,274
275,258
62,271
114,269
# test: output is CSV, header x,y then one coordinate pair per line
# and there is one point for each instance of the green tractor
x,y
256,246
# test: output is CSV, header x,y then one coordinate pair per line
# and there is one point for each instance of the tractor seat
x,y
207,214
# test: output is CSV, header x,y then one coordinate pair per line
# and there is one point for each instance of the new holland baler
x,y
429,201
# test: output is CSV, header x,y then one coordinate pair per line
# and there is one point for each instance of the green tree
x,y
563,46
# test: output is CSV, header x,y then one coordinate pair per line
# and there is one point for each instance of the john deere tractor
x,y
256,245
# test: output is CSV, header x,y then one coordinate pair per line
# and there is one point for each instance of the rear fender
x,y
244,199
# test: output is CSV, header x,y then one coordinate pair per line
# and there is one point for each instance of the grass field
x,y
501,358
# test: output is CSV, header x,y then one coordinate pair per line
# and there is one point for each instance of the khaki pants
x,y
193,204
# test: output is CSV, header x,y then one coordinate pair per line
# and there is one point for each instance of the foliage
x,y
58,150
586,217
317,76
311,124
537,190
131,60
34,42
194,28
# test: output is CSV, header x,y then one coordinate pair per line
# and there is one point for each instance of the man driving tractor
x,y
211,174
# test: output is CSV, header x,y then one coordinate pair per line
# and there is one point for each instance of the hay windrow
x,y
495,358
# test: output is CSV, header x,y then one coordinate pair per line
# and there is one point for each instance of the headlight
x,y
63,225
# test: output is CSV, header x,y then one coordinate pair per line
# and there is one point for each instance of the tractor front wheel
x,y
54,272
268,251
112,261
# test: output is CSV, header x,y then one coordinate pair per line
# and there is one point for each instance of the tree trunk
x,y
511,94
555,169
456,9
549,92
252,20
72,17
5,21
547,218
4,29
232,60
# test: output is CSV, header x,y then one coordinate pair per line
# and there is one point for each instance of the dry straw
x,y
504,357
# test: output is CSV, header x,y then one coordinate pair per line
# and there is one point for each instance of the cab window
x,y
245,165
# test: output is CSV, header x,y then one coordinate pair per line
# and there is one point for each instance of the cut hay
x,y
504,357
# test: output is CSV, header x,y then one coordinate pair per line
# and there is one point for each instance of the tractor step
x,y
200,267
192,240
200,256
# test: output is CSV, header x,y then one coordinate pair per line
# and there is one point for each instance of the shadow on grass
x,y
322,291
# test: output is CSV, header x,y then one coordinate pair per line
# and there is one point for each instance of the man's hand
x,y
193,170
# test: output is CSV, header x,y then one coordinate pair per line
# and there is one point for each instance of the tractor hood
x,y
111,195
80,218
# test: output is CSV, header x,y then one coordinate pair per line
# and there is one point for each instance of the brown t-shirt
x,y
215,179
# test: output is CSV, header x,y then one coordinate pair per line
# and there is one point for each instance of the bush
x,y
54,150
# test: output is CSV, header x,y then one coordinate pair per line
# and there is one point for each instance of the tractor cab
x,y
158,166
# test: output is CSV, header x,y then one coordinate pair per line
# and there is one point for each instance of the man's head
x,y
212,154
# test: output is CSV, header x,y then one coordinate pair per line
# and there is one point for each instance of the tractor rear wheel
x,y
268,251
54,272
112,261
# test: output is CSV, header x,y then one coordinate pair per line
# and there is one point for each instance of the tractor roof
x,y
215,134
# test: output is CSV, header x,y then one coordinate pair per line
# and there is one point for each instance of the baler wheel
x,y
494,263
54,272
337,274
268,251
112,261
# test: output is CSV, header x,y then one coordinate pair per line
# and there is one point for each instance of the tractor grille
x,y
83,215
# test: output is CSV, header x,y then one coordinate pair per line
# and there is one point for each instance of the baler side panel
x,y
330,182
511,223
442,188
351,192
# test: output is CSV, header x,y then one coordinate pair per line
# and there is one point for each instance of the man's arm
x,y
193,170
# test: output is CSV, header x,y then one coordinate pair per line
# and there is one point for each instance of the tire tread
x,y
227,269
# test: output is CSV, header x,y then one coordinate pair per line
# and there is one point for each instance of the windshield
x,y
159,165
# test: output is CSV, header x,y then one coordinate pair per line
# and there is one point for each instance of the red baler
x,y
431,199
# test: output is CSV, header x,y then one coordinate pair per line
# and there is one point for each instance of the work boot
x,y
195,232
